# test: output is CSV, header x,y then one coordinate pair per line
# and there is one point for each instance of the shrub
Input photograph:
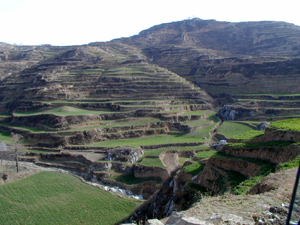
x,y
194,168
290,164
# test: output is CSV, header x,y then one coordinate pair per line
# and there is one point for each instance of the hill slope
x,y
134,111
227,57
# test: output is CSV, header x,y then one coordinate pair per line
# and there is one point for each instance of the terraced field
x,y
131,112
231,129
93,101
103,98
54,198
270,106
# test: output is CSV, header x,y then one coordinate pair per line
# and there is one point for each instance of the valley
x,y
149,114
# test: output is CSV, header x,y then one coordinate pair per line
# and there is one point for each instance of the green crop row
x,y
260,144
288,124
195,136
63,111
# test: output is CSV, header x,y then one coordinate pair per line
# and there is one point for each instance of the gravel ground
x,y
247,206
25,169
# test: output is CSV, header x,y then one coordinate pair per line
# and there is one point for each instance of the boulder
x,y
191,221
154,222
262,126
221,144
174,218
230,112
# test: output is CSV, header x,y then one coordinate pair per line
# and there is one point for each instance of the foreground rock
x,y
251,208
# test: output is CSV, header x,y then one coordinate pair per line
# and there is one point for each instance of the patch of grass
x,y
231,129
182,160
170,112
135,122
179,148
246,185
211,117
55,198
194,168
31,129
288,124
155,152
129,179
260,144
117,123
290,164
195,123
5,114
195,113
249,135
152,162
5,137
195,136
205,154
63,111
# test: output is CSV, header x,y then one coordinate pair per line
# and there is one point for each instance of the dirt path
x,y
90,155
170,160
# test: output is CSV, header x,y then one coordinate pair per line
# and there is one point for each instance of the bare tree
x,y
17,147
2,151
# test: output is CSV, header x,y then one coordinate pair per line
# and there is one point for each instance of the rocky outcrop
x,y
230,112
125,154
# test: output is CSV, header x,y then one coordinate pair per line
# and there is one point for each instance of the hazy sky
x,y
76,22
